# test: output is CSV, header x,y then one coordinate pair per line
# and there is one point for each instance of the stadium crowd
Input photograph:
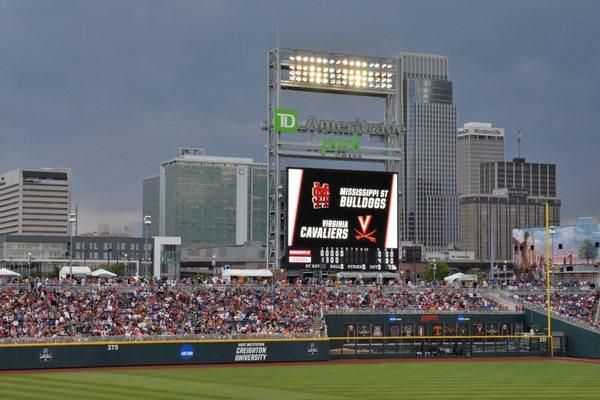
x,y
51,308
541,285
575,305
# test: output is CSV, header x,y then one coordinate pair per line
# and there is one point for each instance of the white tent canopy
x,y
74,271
257,273
102,273
8,272
460,277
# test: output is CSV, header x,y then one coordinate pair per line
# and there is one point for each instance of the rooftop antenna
x,y
519,140
277,30
278,58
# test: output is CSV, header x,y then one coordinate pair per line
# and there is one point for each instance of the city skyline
x,y
110,90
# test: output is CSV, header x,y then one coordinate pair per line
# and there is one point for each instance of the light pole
x,y
147,223
434,269
72,220
214,265
108,259
504,268
29,266
552,232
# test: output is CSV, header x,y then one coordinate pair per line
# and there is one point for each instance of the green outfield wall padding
x,y
128,354
580,342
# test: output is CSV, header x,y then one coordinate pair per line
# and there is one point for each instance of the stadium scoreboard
x,y
342,220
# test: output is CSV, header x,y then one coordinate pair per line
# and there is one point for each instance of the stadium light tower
x,y
324,72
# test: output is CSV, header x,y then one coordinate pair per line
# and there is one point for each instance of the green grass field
x,y
552,379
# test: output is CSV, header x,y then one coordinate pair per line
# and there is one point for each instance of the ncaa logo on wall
x,y
186,352
286,120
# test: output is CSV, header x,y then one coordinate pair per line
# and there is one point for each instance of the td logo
x,y
286,120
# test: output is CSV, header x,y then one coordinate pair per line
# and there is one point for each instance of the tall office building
x,y
535,179
512,195
207,200
430,202
477,143
35,201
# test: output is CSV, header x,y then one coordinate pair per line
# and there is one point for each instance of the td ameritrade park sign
x,y
286,120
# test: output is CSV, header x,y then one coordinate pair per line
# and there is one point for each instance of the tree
x,y
55,272
442,271
477,272
118,268
588,250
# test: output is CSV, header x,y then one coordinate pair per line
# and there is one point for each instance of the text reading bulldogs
x,y
363,198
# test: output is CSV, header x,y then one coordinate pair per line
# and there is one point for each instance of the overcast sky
x,y
111,88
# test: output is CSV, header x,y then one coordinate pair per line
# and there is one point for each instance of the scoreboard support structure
x,y
379,80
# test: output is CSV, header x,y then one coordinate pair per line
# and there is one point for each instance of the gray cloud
x,y
111,88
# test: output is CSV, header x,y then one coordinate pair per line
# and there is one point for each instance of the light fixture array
x,y
343,72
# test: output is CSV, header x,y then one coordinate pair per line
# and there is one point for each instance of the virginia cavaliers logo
x,y
320,195
364,222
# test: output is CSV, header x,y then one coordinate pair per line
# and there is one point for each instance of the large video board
x,y
340,219
572,248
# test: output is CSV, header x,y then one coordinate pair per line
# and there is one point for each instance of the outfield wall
x,y
112,354
431,334
424,324
580,342
350,336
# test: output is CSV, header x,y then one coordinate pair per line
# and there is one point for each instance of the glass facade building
x,y
167,257
430,202
257,226
210,201
43,252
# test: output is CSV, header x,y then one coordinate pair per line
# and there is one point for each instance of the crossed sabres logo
x,y
364,221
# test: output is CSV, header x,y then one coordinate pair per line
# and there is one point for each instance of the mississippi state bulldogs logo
x,y
320,195
364,221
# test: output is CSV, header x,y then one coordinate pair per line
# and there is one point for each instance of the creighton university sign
x,y
286,120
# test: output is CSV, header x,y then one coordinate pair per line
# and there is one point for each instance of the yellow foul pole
x,y
548,303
